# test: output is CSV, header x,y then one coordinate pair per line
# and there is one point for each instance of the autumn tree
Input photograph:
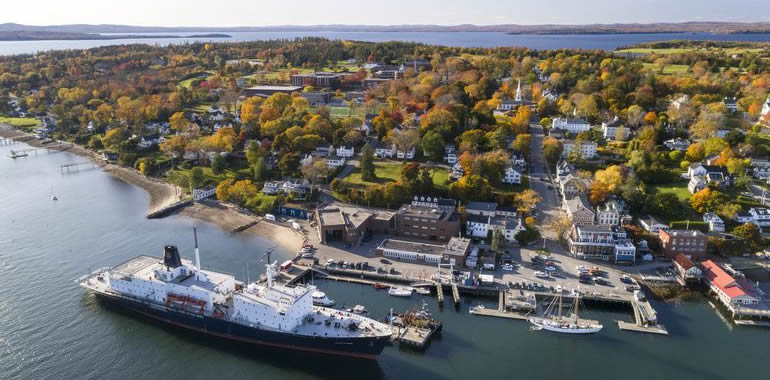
x,y
695,152
552,149
407,140
707,200
526,200
522,143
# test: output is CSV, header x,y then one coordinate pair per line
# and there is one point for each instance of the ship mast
x,y
559,315
577,303
197,253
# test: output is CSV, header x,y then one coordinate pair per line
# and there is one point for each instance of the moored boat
x,y
400,292
554,321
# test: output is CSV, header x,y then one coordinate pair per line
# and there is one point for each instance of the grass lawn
x,y
20,122
679,188
214,179
668,69
510,188
385,172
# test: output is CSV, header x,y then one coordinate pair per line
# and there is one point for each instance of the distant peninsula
x,y
32,35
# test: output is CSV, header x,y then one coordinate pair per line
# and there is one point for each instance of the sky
x,y
389,12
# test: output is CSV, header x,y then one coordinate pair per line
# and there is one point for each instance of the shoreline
x,y
163,194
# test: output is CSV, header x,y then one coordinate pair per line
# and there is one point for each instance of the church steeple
x,y
518,92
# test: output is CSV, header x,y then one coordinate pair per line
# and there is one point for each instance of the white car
x,y
330,262
508,267
550,268
581,268
540,274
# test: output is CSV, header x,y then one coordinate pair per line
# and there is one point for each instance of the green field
x,y
20,122
668,69
680,189
391,171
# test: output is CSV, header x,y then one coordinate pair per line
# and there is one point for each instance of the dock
x,y
440,294
413,336
455,294
488,312
167,210
751,322
645,318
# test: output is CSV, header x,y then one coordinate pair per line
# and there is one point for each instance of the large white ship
x,y
179,292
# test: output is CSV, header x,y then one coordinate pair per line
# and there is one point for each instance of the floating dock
x,y
413,336
645,318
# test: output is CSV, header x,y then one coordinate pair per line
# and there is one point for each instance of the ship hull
x,y
363,348
545,325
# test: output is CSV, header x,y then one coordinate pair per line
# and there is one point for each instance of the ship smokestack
x,y
197,252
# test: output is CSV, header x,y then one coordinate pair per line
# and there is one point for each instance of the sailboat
x,y
556,322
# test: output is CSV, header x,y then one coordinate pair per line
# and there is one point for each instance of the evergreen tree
x,y
367,164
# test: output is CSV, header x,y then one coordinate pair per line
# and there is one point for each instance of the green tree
x,y
367,164
433,145
218,164
498,242
552,150
750,234
260,170
196,177
522,143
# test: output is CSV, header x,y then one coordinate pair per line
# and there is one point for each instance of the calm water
x,y
49,328
463,39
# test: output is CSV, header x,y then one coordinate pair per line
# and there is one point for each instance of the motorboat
x,y
400,292
321,299
380,286
358,309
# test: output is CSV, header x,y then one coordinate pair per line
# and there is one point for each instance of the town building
x,y
200,194
450,154
511,176
349,224
456,251
609,213
586,149
615,130
346,151
383,150
563,169
334,161
265,91
150,141
764,116
457,171
760,216
402,250
686,269
329,80
445,204
477,226
572,186
691,243
481,208
427,223
652,225
678,143
601,242
296,186
716,224
571,125
731,291
579,210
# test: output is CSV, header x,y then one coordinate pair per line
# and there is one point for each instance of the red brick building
x,y
690,243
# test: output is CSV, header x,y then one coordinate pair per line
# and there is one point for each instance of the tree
x,y
527,236
253,152
666,205
552,149
178,122
522,143
749,233
367,164
289,163
223,189
466,161
218,164
526,200
707,200
407,140
715,145
560,225
260,170
610,178
173,147
498,242
242,191
196,177
433,146
695,152
635,115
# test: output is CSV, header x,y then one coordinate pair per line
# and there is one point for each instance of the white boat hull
x,y
564,327
400,292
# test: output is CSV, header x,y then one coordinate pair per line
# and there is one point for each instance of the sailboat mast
x,y
559,315
577,303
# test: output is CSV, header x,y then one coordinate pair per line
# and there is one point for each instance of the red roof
x,y
722,280
683,261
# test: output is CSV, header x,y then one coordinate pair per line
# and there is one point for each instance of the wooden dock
x,y
455,294
487,312
440,294
645,319
751,322
628,326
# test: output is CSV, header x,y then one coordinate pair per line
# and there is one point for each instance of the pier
x,y
440,294
645,318
455,294
164,211
413,336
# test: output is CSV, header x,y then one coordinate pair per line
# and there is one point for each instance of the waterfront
x,y
49,326
461,39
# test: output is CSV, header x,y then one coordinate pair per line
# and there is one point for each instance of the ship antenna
x,y
247,273
197,253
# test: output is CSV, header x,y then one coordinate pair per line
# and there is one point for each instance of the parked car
x,y
508,267
540,274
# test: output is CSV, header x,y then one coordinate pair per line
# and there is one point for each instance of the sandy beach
x,y
161,194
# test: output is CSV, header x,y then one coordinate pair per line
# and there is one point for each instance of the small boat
x,y
380,286
422,291
53,198
320,299
400,292
359,309
474,309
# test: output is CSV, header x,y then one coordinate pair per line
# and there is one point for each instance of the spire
x,y
518,92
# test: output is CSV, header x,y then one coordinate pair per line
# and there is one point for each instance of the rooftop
x,y
481,206
408,246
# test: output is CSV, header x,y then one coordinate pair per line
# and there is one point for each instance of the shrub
x,y
692,224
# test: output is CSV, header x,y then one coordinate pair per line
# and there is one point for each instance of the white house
x,y
652,225
614,130
346,151
457,171
512,176
678,143
481,208
716,224
571,125
382,150
150,141
760,216
508,226
477,226
450,154
609,213
333,161
408,155
765,114
587,148
199,194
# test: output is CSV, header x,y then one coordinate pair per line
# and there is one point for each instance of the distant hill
x,y
686,27
30,35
